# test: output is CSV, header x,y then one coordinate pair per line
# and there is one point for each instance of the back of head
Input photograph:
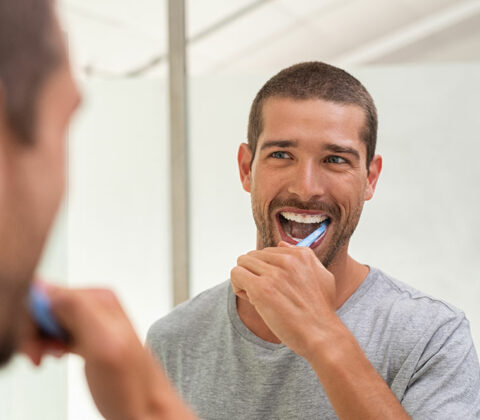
x,y
29,51
316,80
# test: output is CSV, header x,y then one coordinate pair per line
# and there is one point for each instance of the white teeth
x,y
303,218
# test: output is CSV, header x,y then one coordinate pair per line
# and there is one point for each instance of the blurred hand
x,y
124,379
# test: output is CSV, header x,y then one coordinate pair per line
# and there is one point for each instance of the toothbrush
x,y
310,239
40,308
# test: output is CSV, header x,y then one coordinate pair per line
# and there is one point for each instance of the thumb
x,y
283,244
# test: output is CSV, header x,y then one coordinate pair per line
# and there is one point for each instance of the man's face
x,y
309,166
32,184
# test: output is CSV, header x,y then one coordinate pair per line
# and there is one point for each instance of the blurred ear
x,y
244,159
374,172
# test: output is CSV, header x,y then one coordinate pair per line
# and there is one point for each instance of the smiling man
x,y
310,333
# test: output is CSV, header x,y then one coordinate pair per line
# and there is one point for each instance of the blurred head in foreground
x,y
37,99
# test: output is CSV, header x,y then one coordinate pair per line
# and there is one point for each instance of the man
x,y
310,333
37,99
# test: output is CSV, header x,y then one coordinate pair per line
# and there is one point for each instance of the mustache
x,y
318,205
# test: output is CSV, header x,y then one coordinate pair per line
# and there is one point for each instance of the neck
x,y
349,275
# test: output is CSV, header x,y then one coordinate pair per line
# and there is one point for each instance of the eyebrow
x,y
335,148
279,143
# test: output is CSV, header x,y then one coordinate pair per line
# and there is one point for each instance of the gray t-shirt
x,y
422,347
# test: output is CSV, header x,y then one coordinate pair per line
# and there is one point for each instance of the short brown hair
x,y
29,51
315,80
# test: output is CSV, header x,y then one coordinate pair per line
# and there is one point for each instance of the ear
x,y
374,168
244,159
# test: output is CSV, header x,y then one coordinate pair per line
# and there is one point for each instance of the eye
x,y
335,159
280,155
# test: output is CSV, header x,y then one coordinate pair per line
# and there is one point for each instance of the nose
x,y
307,181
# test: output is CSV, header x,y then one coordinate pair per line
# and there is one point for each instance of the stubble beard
x,y
344,230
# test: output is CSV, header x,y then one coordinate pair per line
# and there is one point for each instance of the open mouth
x,y
295,226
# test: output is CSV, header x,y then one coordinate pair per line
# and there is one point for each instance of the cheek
x,y
348,195
54,165
259,186
57,153
265,191
258,201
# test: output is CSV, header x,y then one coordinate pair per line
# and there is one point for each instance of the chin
x,y
13,313
7,347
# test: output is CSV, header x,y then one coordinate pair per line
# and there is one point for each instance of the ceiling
x,y
118,38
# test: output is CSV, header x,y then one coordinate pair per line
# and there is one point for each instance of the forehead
x,y
312,120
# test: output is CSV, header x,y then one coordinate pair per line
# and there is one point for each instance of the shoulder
x,y
404,315
421,345
190,318
402,329
409,303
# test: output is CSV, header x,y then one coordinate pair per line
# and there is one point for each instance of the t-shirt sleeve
x,y
154,343
446,382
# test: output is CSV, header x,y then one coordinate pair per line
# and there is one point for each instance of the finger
x,y
80,312
288,249
96,292
282,257
242,294
89,320
281,249
275,260
242,281
36,349
92,298
254,264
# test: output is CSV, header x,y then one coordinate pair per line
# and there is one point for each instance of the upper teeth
x,y
303,218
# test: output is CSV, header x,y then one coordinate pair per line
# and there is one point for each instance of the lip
x,y
287,238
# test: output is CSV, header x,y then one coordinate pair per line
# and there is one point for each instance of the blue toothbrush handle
x,y
310,239
40,308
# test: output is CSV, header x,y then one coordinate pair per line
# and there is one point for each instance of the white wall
x,y
422,225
